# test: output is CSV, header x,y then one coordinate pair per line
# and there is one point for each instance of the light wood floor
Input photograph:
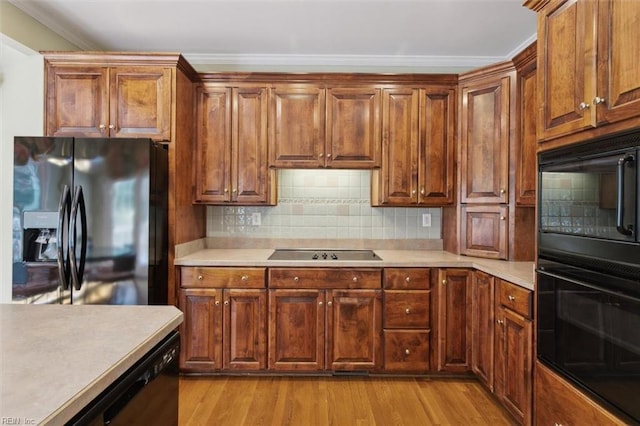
x,y
241,400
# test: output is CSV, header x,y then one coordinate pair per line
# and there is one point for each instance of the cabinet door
x,y
297,126
526,146
296,330
140,102
618,70
453,316
566,67
398,175
436,174
201,331
77,101
482,332
485,133
245,329
514,363
354,326
212,156
484,231
353,128
250,175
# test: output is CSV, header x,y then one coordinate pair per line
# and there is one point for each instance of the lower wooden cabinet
x,y
407,319
559,403
452,330
482,327
223,329
315,330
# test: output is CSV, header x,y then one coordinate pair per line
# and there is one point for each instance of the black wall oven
x,y
588,275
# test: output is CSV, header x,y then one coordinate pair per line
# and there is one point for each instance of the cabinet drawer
x,y
222,277
407,278
406,309
334,278
516,298
406,350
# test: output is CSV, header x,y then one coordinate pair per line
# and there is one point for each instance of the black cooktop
x,y
323,254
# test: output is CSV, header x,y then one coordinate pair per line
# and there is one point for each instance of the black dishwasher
x,y
146,394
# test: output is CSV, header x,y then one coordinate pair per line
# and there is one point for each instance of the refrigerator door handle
x,y
64,267
77,270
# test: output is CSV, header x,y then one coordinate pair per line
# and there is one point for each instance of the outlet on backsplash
x,y
333,204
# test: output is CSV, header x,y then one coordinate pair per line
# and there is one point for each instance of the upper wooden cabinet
x,y
588,74
107,96
231,146
417,147
485,121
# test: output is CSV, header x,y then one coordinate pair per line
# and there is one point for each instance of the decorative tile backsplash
x,y
331,204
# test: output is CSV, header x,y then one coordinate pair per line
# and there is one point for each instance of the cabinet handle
x,y
320,303
598,100
502,190
422,191
226,303
511,298
329,303
102,126
502,218
407,311
354,279
583,106
329,155
296,279
413,192
226,190
407,351
500,322
217,303
408,279
200,277
234,190
245,278
321,155
111,126
444,282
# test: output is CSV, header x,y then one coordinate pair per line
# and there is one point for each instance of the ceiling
x,y
308,35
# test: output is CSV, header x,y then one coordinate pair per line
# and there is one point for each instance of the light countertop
x,y
520,273
55,359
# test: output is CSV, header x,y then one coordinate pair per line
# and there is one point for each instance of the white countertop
x,y
54,359
520,273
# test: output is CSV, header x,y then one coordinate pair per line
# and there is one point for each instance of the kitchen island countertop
x,y
55,359
520,273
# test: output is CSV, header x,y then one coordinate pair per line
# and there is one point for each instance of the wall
x,y
319,204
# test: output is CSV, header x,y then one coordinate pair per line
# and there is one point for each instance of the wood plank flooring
x,y
352,401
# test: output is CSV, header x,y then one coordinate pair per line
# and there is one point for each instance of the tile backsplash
x,y
331,204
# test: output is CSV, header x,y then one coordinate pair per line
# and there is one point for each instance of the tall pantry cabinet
x,y
119,94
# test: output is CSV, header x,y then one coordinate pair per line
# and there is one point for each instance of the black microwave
x,y
588,204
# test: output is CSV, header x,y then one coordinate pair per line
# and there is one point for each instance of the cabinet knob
x,y
407,311
500,322
583,106
102,126
511,298
226,190
413,192
296,279
407,351
502,218
111,126
200,277
320,155
502,190
329,155
234,190
598,100
217,303
422,191
444,282
354,279
226,303
407,279
320,303
329,303
245,278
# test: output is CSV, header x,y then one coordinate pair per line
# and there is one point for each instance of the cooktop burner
x,y
323,254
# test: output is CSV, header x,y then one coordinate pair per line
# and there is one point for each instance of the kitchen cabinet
x,y
482,327
452,330
225,325
325,319
417,147
297,114
514,350
231,164
484,230
133,100
559,403
407,319
588,75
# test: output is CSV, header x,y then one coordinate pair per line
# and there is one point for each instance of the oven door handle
x,y
620,205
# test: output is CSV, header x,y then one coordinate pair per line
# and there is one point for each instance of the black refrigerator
x,y
89,221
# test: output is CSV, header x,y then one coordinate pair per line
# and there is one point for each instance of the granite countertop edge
x,y
519,273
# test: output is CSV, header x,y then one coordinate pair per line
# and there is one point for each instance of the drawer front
x,y
334,278
406,309
407,278
406,350
212,277
516,298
